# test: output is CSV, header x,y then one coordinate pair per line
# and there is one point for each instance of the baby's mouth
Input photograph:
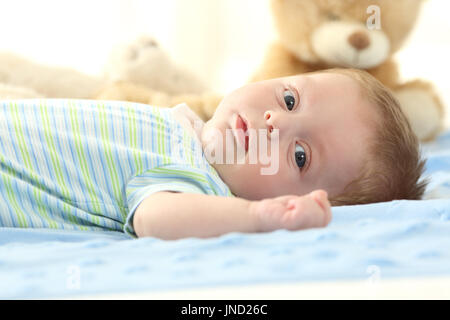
x,y
242,132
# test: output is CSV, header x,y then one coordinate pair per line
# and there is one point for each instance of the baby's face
x,y
314,129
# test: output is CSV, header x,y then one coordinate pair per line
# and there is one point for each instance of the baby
x,y
276,155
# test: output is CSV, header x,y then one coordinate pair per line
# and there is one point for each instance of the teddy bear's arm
x,y
125,91
423,108
279,62
418,100
203,104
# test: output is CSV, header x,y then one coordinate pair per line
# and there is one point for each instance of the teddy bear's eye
x,y
332,16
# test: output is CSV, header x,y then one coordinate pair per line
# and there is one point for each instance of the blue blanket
x,y
377,241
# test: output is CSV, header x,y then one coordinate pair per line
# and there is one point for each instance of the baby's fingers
x,y
321,198
309,211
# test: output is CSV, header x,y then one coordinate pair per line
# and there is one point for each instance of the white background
x,y
223,41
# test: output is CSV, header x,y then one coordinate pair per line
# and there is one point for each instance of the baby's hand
x,y
292,212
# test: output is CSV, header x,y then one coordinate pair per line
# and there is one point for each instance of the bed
x,y
398,249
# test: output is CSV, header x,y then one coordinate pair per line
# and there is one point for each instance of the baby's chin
x,y
245,188
233,178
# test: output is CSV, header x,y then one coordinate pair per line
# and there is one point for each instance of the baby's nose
x,y
279,122
267,117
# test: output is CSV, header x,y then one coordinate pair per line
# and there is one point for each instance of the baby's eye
x,y
300,156
289,99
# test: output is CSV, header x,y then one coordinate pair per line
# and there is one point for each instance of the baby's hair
x,y
394,166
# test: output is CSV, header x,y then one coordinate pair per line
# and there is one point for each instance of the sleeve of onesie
x,y
171,178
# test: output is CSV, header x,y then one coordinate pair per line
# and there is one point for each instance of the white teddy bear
x,y
23,78
144,63
141,62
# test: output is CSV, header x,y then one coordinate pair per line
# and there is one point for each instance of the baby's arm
x,y
169,215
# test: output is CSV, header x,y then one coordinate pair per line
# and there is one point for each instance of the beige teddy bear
x,y
364,34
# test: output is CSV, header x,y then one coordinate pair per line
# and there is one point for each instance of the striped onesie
x,y
86,165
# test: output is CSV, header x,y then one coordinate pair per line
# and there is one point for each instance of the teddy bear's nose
x,y
359,40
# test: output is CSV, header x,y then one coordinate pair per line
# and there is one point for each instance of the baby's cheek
x,y
269,186
250,184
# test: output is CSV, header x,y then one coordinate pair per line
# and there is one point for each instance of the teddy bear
x,y
21,78
141,64
144,63
142,71
364,34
